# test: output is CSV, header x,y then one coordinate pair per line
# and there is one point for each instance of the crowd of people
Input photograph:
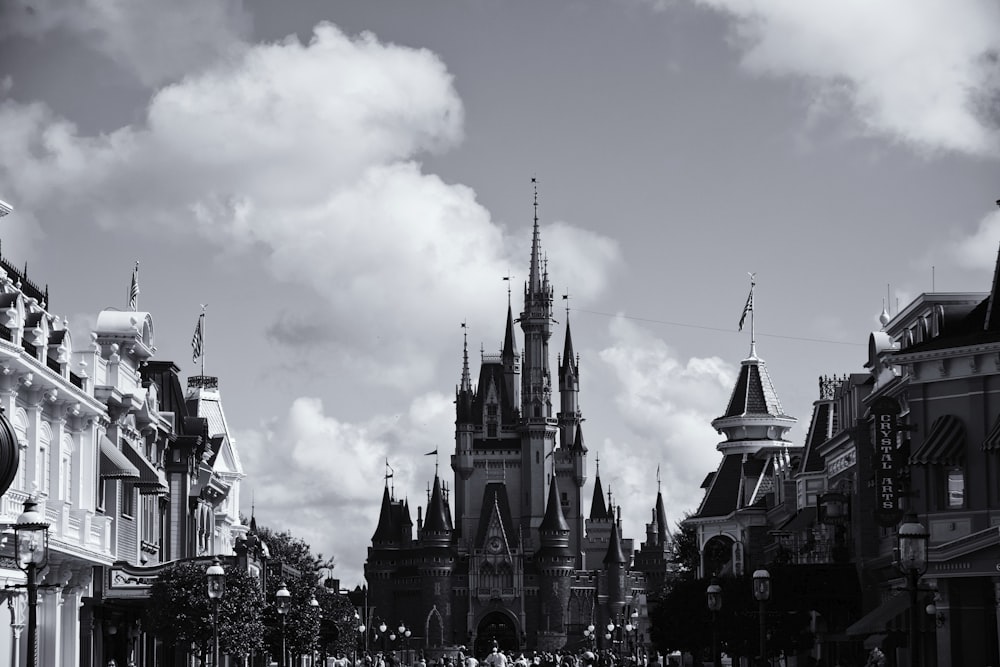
x,y
497,657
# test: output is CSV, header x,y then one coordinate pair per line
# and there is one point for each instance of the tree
x,y
300,628
685,555
180,612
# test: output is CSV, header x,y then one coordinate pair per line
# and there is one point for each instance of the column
x,y
70,607
17,603
49,626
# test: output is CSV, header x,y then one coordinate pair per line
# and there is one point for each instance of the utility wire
x,y
705,328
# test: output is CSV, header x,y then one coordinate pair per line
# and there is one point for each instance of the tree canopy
x,y
181,613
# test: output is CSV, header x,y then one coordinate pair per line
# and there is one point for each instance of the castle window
x,y
491,430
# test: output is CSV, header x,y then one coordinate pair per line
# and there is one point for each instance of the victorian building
x,y
60,429
508,553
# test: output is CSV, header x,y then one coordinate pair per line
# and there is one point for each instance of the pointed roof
x,y
578,445
495,496
753,393
534,273
554,519
615,555
598,510
466,377
661,519
436,522
568,354
992,322
386,529
509,342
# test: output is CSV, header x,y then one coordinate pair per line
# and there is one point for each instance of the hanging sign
x,y
885,415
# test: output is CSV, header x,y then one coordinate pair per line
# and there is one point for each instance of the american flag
x,y
748,308
198,339
133,290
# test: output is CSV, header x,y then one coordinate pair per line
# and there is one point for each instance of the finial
x,y
598,473
566,299
657,477
884,317
507,278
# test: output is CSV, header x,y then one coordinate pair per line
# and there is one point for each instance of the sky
x,y
345,183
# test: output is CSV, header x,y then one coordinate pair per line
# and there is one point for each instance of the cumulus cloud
x,y
308,155
925,74
155,41
978,250
321,477
668,404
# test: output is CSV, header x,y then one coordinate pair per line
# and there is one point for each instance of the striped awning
x,y
150,479
992,441
944,444
114,463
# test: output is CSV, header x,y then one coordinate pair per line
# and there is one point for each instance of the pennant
x,y
431,453
198,340
133,290
748,308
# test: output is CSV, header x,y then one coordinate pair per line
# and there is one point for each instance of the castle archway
x,y
717,556
496,628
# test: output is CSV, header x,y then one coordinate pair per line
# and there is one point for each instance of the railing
x,y
29,348
53,365
6,333
76,380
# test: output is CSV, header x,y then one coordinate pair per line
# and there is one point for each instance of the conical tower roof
x,y
615,555
661,520
554,520
436,523
598,510
386,530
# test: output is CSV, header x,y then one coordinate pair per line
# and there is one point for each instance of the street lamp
x,y
762,591
283,601
590,634
361,633
912,538
215,579
382,627
31,535
404,636
714,595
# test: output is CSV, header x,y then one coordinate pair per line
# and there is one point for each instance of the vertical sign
x,y
738,559
885,414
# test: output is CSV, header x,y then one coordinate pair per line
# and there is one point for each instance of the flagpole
x,y
204,306
753,333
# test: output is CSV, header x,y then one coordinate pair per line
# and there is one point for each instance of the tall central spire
x,y
534,274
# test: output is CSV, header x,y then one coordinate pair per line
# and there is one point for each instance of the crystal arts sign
x,y
885,414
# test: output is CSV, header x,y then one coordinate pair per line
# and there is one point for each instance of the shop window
x,y
955,488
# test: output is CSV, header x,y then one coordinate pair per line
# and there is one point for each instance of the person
x,y
496,658
470,661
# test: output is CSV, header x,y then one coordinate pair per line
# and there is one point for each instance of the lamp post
x,y
627,636
762,591
215,580
382,627
283,602
404,636
714,595
314,603
31,535
361,633
590,633
912,543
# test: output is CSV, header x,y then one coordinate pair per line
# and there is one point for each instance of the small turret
x,y
386,532
436,530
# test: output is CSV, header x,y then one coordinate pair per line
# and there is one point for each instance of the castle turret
x,y
511,361
615,566
437,526
555,563
569,392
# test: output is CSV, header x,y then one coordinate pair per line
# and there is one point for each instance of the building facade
x,y
507,552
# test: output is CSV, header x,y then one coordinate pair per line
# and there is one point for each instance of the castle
x,y
520,566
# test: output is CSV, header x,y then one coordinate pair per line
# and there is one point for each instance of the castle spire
x,y
534,274
436,526
598,510
466,378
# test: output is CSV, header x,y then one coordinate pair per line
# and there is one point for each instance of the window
x,y
66,478
955,488
42,473
128,500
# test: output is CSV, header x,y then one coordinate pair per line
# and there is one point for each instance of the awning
x,y
992,441
150,479
944,445
114,463
873,622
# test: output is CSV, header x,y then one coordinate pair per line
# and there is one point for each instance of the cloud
x,y
978,250
321,477
668,404
154,41
925,74
307,155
